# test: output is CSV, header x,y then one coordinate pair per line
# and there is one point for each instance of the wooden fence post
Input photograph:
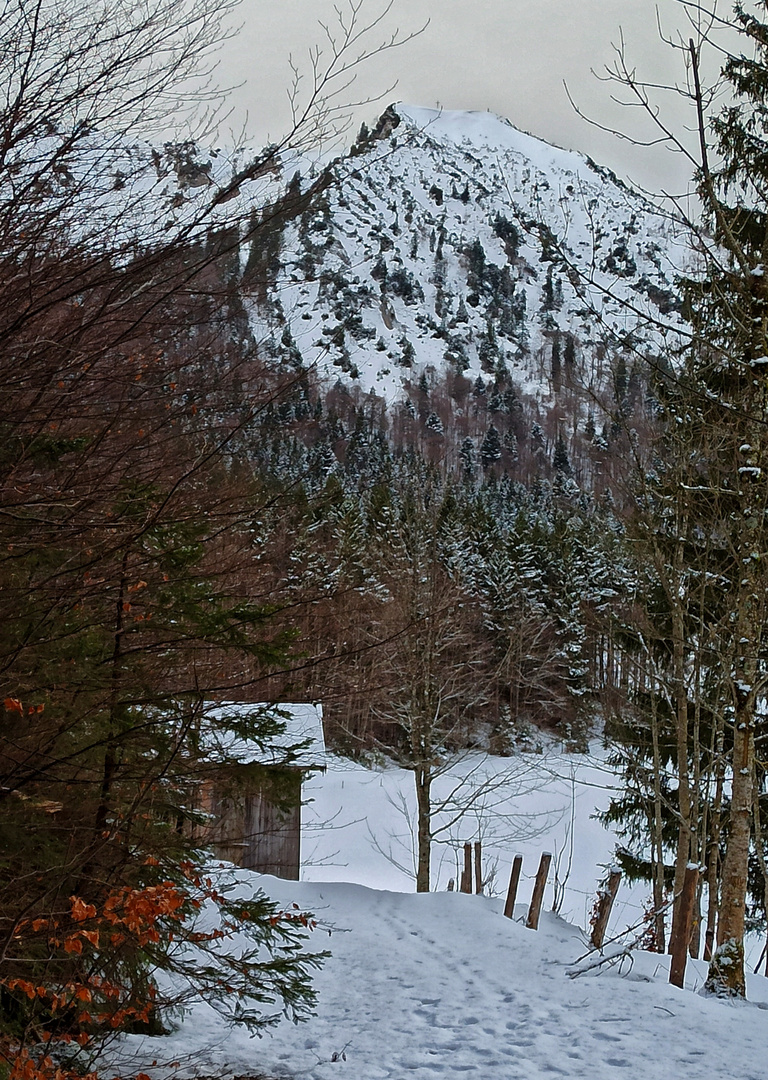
x,y
466,876
606,895
532,922
478,867
514,879
679,948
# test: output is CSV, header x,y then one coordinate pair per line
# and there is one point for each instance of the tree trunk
x,y
698,836
713,860
684,853
110,754
658,838
726,969
423,777
685,918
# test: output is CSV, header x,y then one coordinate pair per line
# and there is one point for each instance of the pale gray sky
x,y
508,56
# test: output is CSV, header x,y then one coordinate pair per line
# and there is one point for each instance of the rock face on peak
x,y
452,239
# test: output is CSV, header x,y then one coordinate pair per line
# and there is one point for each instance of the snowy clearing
x,y
442,984
358,825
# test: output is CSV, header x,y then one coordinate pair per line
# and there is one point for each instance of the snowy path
x,y
442,985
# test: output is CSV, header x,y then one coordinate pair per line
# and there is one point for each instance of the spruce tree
x,y
720,413
730,362
490,450
435,424
569,353
561,460
510,445
467,459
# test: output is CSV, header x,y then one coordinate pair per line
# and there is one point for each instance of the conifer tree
x,y
490,449
561,460
467,459
725,407
569,353
730,311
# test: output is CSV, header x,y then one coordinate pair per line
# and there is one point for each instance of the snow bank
x,y
443,985
435,985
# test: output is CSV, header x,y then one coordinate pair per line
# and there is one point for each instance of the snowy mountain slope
x,y
441,239
454,238
443,985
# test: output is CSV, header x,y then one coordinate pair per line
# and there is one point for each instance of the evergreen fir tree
x,y
490,449
729,364
467,459
435,424
407,354
569,353
561,460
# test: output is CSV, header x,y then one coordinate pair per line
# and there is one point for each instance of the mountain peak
x,y
452,240
487,130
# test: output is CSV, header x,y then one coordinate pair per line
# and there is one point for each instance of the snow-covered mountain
x,y
452,238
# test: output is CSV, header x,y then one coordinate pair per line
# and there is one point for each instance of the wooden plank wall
x,y
272,836
250,831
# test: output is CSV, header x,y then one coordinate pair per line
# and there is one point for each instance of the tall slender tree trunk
x,y
726,969
713,859
110,754
696,810
423,776
658,841
684,832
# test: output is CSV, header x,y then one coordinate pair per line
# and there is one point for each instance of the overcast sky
x,y
508,56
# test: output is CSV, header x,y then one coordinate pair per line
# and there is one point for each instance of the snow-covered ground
x,y
358,826
435,985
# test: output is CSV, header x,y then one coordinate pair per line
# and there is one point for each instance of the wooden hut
x,y
252,796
